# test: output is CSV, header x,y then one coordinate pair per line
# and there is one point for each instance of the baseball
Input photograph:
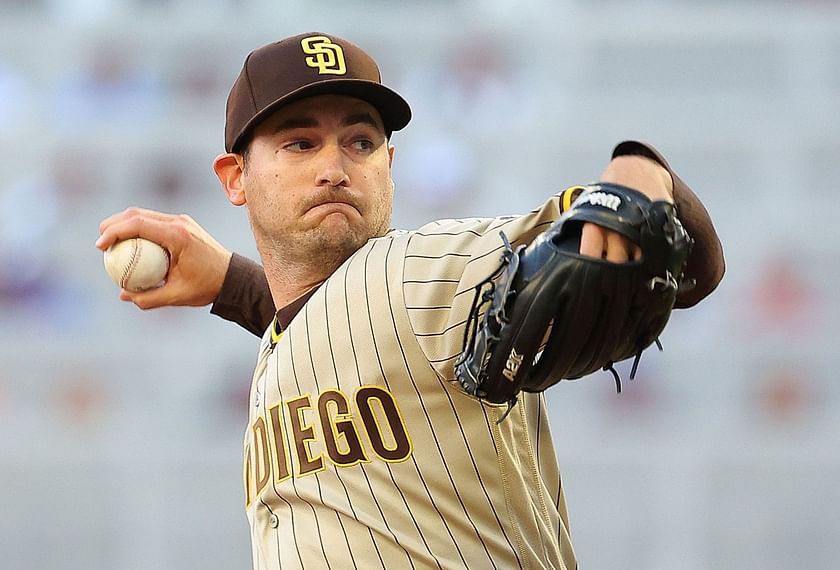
x,y
136,264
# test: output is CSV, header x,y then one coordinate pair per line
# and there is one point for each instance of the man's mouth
x,y
333,205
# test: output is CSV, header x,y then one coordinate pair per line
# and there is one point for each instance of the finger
x,y
137,216
592,240
637,253
151,298
120,229
118,217
130,213
155,228
617,247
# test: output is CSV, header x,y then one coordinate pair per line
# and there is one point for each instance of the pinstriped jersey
x,y
363,451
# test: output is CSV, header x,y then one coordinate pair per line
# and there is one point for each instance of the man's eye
x,y
298,146
363,144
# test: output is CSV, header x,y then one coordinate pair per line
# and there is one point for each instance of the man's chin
x,y
337,227
336,239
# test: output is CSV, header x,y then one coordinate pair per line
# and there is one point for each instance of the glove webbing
x,y
484,293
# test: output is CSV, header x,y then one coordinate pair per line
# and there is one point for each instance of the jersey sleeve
x,y
245,298
705,263
445,262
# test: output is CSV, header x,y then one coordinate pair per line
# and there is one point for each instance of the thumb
x,y
167,295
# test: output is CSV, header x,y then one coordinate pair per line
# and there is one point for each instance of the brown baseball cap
x,y
302,66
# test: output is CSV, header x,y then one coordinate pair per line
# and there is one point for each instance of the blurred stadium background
x,y
120,431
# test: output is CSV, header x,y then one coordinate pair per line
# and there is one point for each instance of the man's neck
x,y
292,271
288,283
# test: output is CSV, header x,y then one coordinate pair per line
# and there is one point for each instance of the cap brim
x,y
393,109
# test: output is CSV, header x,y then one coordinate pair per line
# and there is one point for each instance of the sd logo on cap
x,y
326,56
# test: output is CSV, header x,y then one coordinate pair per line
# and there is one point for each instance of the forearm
x,y
245,297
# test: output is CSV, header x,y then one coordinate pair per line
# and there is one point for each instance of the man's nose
x,y
331,170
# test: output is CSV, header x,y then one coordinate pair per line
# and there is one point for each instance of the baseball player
x,y
363,449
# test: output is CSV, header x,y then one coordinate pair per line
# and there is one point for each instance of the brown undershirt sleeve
x,y
705,264
245,298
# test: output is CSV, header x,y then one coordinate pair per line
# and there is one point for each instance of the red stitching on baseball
x,y
136,248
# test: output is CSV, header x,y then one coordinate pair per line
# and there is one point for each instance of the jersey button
x,y
274,521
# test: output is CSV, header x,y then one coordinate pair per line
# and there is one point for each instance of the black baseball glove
x,y
554,313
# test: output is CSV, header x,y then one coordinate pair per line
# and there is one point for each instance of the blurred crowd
x,y
106,104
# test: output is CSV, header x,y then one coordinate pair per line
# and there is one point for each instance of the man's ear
x,y
391,150
228,168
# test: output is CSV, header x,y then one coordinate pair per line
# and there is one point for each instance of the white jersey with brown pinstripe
x,y
363,451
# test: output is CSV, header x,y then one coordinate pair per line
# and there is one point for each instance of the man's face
x,y
317,182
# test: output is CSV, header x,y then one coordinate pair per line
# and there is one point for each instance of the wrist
x,y
640,173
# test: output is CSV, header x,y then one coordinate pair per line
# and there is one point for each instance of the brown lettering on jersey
x,y
303,433
401,444
246,476
339,425
268,448
281,458
262,462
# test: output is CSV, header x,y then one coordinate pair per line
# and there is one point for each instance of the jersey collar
x,y
284,316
